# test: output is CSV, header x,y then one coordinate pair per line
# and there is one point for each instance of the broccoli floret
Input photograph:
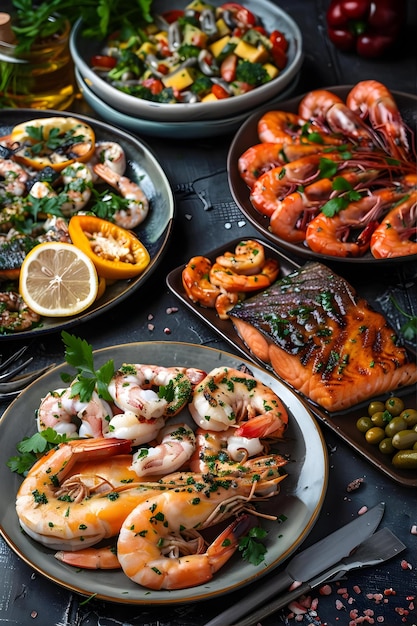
x,y
140,91
252,73
188,51
128,62
202,85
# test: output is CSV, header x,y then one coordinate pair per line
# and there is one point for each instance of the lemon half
x,y
58,280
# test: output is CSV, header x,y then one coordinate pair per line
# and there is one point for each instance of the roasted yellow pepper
x,y
116,252
53,141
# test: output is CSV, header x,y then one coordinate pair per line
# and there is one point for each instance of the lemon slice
x,y
58,280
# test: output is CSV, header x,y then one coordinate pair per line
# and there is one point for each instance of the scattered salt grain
x,y
357,589
241,224
228,226
171,309
406,565
150,317
188,217
167,331
362,510
151,327
413,529
325,590
340,606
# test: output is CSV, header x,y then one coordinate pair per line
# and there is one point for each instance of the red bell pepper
x,y
366,27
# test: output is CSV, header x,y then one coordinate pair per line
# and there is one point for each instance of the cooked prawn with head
x,y
228,397
86,509
372,100
396,236
315,105
76,193
284,127
137,204
160,546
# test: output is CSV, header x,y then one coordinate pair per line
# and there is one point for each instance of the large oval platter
x,y
297,506
154,232
247,136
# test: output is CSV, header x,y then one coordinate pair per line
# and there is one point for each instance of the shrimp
x,y
78,180
225,302
151,391
63,411
228,397
195,280
137,205
153,547
279,182
371,99
288,128
90,558
232,282
259,159
139,430
81,512
343,120
13,178
248,258
42,189
290,218
177,443
396,235
315,104
226,454
15,315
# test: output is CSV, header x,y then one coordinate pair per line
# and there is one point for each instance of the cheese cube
x,y
210,97
218,46
272,70
254,54
145,49
181,79
222,28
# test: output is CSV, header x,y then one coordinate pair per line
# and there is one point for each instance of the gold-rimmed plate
x,y
297,506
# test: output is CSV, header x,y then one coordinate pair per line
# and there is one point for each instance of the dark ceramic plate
x,y
247,136
143,168
343,423
299,501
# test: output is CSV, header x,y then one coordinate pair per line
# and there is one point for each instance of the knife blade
x,y
378,548
307,564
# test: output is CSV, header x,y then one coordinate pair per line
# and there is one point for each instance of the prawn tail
x,y
90,558
226,544
264,426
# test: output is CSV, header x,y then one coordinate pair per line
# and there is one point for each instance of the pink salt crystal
x,y
296,608
325,590
406,565
380,619
413,529
353,614
357,589
362,510
339,605
355,484
151,327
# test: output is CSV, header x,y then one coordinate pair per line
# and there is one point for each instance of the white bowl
x,y
273,18
169,130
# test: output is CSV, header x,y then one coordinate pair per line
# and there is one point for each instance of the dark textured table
x,y
197,172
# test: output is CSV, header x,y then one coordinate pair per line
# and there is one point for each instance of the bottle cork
x,y
6,33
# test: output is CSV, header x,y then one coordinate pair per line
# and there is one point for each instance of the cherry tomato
x,y
154,85
172,16
220,92
103,61
240,13
279,56
279,40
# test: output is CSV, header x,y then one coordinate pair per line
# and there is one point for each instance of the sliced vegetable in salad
x,y
200,54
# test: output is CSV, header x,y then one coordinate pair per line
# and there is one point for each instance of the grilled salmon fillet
x,y
315,333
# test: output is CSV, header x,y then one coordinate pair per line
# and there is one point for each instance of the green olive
x,y
404,439
405,459
380,419
394,405
374,435
395,425
375,406
410,416
364,423
386,447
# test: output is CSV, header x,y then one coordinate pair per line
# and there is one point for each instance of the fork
x,y
11,384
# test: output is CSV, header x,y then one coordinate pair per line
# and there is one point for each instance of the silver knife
x,y
307,564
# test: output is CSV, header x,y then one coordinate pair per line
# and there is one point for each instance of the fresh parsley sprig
x,y
251,546
31,448
79,354
409,328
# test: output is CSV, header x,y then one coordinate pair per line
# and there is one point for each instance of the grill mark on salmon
x,y
313,330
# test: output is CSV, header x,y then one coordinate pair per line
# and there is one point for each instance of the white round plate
x,y
154,232
297,506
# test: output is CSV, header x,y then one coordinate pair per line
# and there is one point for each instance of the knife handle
x,y
273,606
268,589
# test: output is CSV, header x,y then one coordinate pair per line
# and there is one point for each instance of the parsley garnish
x,y
79,354
252,549
31,448
348,195
409,329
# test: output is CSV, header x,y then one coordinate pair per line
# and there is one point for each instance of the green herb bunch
x,y
31,21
